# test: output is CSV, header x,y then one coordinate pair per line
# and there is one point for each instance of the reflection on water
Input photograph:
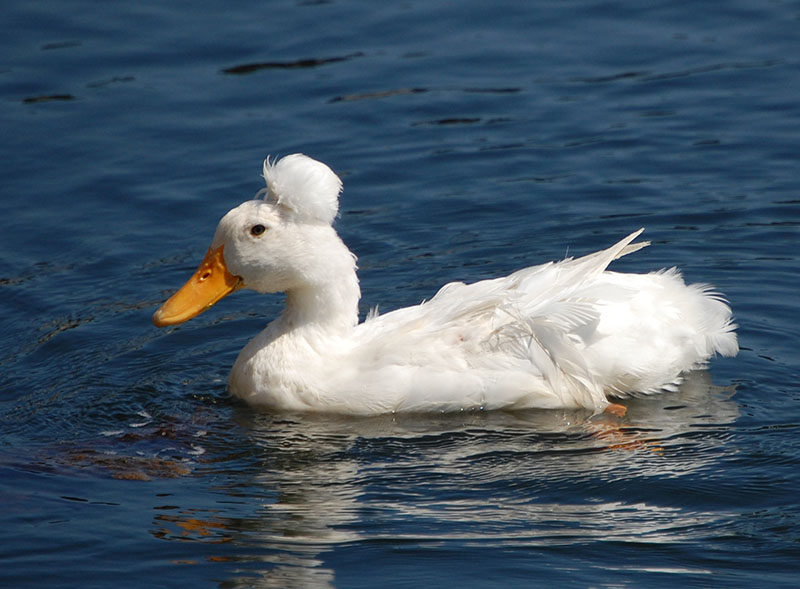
x,y
526,479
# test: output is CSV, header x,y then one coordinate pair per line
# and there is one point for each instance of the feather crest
x,y
307,188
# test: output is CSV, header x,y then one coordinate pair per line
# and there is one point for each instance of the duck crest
x,y
307,188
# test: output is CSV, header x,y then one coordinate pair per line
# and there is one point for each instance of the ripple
x,y
312,62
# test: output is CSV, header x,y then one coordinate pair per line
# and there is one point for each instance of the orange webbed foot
x,y
616,409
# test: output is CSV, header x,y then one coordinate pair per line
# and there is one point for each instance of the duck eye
x,y
257,230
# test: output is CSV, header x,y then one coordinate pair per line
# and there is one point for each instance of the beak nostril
x,y
205,275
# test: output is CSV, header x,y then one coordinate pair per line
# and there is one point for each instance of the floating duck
x,y
565,334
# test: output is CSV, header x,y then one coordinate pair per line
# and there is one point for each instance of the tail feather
x,y
599,261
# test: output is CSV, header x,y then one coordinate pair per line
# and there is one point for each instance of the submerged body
x,y
566,334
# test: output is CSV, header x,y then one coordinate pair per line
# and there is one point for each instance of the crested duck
x,y
564,334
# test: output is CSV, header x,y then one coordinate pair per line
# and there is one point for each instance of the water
x,y
473,138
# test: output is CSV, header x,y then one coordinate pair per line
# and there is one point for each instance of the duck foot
x,y
616,409
616,437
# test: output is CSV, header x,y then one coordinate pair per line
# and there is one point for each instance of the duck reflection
x,y
537,478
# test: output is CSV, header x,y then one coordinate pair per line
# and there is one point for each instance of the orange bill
x,y
211,282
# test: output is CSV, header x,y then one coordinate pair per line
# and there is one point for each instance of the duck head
x,y
272,244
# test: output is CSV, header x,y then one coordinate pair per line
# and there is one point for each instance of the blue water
x,y
473,138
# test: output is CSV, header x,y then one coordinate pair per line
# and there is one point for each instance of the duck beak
x,y
211,282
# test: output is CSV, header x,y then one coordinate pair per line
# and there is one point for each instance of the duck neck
x,y
330,304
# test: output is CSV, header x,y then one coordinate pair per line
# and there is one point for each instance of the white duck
x,y
566,334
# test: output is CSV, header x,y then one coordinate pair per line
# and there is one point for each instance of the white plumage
x,y
304,186
565,334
